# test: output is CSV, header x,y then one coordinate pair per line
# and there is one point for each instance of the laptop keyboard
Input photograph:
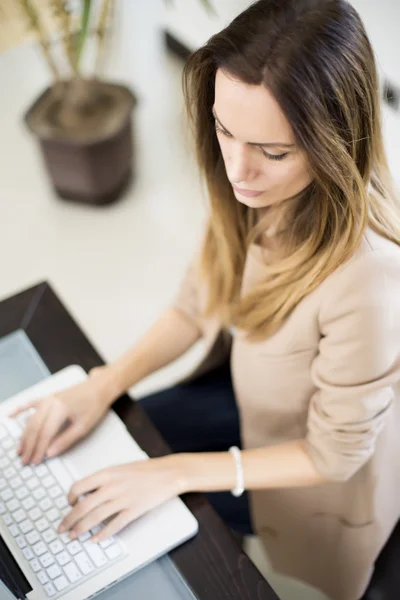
x,y
33,501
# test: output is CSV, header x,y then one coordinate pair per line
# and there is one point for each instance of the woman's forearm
x,y
281,466
170,337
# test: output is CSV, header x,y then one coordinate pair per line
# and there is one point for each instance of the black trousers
x,y
202,416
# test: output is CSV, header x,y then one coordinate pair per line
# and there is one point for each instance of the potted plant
x,y
83,123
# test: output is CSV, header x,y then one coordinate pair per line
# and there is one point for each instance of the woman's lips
x,y
247,193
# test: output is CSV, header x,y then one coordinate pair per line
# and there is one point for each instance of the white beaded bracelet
x,y
239,489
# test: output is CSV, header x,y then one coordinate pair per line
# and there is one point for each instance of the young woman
x,y
295,292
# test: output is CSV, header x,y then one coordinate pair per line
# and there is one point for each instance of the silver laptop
x,y
33,500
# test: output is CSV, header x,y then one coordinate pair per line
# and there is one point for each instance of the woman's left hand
x,y
123,493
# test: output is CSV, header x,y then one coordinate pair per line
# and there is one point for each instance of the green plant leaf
x,y
84,30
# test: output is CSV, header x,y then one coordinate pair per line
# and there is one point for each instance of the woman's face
x,y
262,160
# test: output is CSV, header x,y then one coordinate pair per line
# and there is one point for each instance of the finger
x,y
83,508
32,431
50,427
22,409
116,525
88,484
65,439
95,517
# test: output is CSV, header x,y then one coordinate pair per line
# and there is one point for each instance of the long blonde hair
x,y
316,59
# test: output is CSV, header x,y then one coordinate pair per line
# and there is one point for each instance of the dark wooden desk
x,y
212,563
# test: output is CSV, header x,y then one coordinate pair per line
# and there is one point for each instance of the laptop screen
x,y
13,583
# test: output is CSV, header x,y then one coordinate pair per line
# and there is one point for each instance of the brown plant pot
x,y
89,155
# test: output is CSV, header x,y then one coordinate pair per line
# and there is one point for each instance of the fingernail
x,y
61,529
94,540
72,535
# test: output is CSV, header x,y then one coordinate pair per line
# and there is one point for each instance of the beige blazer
x,y
330,376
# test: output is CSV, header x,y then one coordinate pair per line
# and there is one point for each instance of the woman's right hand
x,y
62,419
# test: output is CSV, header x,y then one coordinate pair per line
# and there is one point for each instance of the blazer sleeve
x,y
358,364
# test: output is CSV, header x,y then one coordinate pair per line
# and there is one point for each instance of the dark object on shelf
x,y
175,46
87,145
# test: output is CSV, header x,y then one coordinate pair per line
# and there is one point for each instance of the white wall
x,y
192,25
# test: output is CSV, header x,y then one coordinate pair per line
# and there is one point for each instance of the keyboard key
x,y
60,473
54,571
35,513
56,547
4,462
35,564
26,526
105,543
21,541
39,493
39,548
3,483
12,454
22,493
63,558
13,529
32,483
49,535
7,443
28,503
74,547
72,572
64,537
42,577
61,583
6,495
15,482
27,552
113,551
19,515
50,589
48,481
10,472
3,432
52,514
85,536
55,491
47,560
18,463
96,554
61,502
56,523
41,471
26,472
66,510
84,563
7,518
13,504
2,508
45,504
42,524
33,537
96,529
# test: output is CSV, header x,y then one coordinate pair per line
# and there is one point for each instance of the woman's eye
x,y
275,156
219,130
269,156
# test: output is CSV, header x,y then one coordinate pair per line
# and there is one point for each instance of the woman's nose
x,y
239,167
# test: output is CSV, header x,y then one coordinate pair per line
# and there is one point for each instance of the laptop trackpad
x,y
108,445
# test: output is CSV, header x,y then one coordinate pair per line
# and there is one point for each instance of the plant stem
x,y
35,23
83,34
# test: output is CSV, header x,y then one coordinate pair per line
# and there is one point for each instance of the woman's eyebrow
x,y
266,144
